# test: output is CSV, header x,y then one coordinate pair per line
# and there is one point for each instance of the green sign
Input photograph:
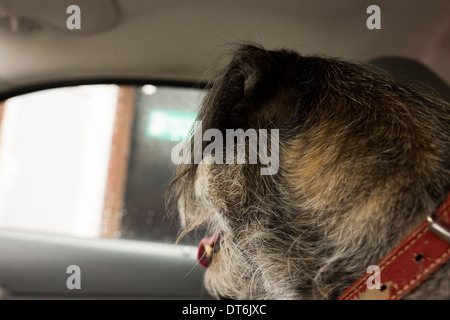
x,y
169,125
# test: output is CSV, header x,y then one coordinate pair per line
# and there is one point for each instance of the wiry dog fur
x,y
363,160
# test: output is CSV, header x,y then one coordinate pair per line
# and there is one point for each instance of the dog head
x,y
361,160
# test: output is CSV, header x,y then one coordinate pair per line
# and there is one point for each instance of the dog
x,y
363,159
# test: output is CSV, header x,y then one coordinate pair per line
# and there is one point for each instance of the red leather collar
x,y
420,254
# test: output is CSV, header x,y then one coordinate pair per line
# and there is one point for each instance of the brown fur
x,y
363,160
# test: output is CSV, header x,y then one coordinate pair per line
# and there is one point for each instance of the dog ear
x,y
232,94
251,78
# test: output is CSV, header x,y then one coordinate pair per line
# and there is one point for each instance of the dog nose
x,y
205,250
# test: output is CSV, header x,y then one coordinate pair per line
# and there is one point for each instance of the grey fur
x,y
363,160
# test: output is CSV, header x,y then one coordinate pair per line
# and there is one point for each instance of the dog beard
x,y
362,161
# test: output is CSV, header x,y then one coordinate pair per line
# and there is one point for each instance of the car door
x,y
83,171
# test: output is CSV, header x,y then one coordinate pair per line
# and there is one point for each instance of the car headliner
x,y
178,40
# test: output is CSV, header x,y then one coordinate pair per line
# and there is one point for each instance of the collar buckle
x,y
438,229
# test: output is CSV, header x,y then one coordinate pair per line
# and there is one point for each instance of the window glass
x,y
157,116
92,160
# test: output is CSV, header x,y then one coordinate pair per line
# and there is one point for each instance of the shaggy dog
x,y
362,161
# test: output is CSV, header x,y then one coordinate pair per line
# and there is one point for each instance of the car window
x,y
92,160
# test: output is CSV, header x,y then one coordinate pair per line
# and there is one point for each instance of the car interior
x,y
89,112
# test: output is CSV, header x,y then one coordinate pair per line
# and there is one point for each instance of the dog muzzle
x,y
206,248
